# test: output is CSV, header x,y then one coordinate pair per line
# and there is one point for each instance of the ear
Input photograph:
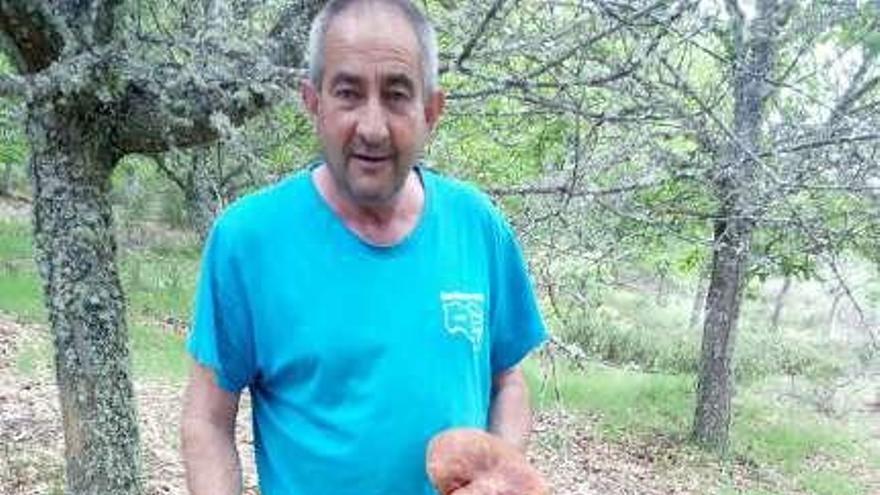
x,y
309,97
434,107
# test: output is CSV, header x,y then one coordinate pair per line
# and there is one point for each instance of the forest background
x,y
696,185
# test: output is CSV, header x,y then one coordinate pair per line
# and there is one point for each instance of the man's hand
x,y
468,461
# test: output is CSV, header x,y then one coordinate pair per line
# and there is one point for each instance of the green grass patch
x,y
632,328
160,284
21,293
780,435
815,452
158,355
831,483
15,241
20,289
800,443
628,401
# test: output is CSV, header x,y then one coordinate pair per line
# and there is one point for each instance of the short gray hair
x,y
424,33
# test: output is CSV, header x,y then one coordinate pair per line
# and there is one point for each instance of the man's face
x,y
371,113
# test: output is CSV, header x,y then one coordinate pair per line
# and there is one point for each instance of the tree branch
x,y
32,33
195,105
195,108
93,22
289,36
592,40
475,38
821,143
159,160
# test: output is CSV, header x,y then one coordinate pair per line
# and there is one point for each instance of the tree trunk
x,y
734,187
715,385
71,165
202,196
780,302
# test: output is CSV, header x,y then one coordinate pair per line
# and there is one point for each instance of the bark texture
x,y
71,165
754,47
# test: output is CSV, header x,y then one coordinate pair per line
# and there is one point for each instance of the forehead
x,y
371,34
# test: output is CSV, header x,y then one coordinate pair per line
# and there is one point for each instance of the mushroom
x,y
468,461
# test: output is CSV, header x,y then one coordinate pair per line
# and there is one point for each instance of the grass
x,y
830,483
631,327
628,401
156,355
814,452
15,241
20,291
158,282
20,294
780,435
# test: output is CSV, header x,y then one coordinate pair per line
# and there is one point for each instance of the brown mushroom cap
x,y
467,461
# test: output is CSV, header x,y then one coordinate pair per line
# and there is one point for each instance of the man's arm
x,y
208,436
511,415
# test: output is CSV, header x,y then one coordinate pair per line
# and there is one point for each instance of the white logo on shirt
x,y
463,314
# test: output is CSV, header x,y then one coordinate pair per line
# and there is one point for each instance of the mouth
x,y
370,158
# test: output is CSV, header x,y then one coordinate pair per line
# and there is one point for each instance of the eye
x,y
345,93
398,96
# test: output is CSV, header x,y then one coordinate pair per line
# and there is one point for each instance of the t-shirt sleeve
x,y
221,337
516,324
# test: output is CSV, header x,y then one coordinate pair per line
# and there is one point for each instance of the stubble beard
x,y
346,182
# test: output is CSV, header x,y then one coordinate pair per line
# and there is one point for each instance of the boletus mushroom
x,y
466,461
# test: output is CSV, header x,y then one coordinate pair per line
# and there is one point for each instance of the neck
x,y
384,223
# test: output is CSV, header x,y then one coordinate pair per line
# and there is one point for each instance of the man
x,y
368,303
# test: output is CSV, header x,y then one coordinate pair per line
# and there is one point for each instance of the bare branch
x,y
821,143
161,164
567,190
478,34
577,48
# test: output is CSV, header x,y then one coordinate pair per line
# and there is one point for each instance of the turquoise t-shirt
x,y
357,355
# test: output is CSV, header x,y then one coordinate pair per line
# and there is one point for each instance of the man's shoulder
x,y
460,194
470,206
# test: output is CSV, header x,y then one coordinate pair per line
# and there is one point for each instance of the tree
x,y
754,48
99,86
692,130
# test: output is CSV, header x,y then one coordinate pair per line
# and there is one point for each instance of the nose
x,y
372,126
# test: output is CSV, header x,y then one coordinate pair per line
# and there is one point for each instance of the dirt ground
x,y
565,448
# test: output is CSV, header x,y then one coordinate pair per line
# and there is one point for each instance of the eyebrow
x,y
400,79
344,78
393,79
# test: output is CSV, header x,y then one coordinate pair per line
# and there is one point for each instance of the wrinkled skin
x,y
468,461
